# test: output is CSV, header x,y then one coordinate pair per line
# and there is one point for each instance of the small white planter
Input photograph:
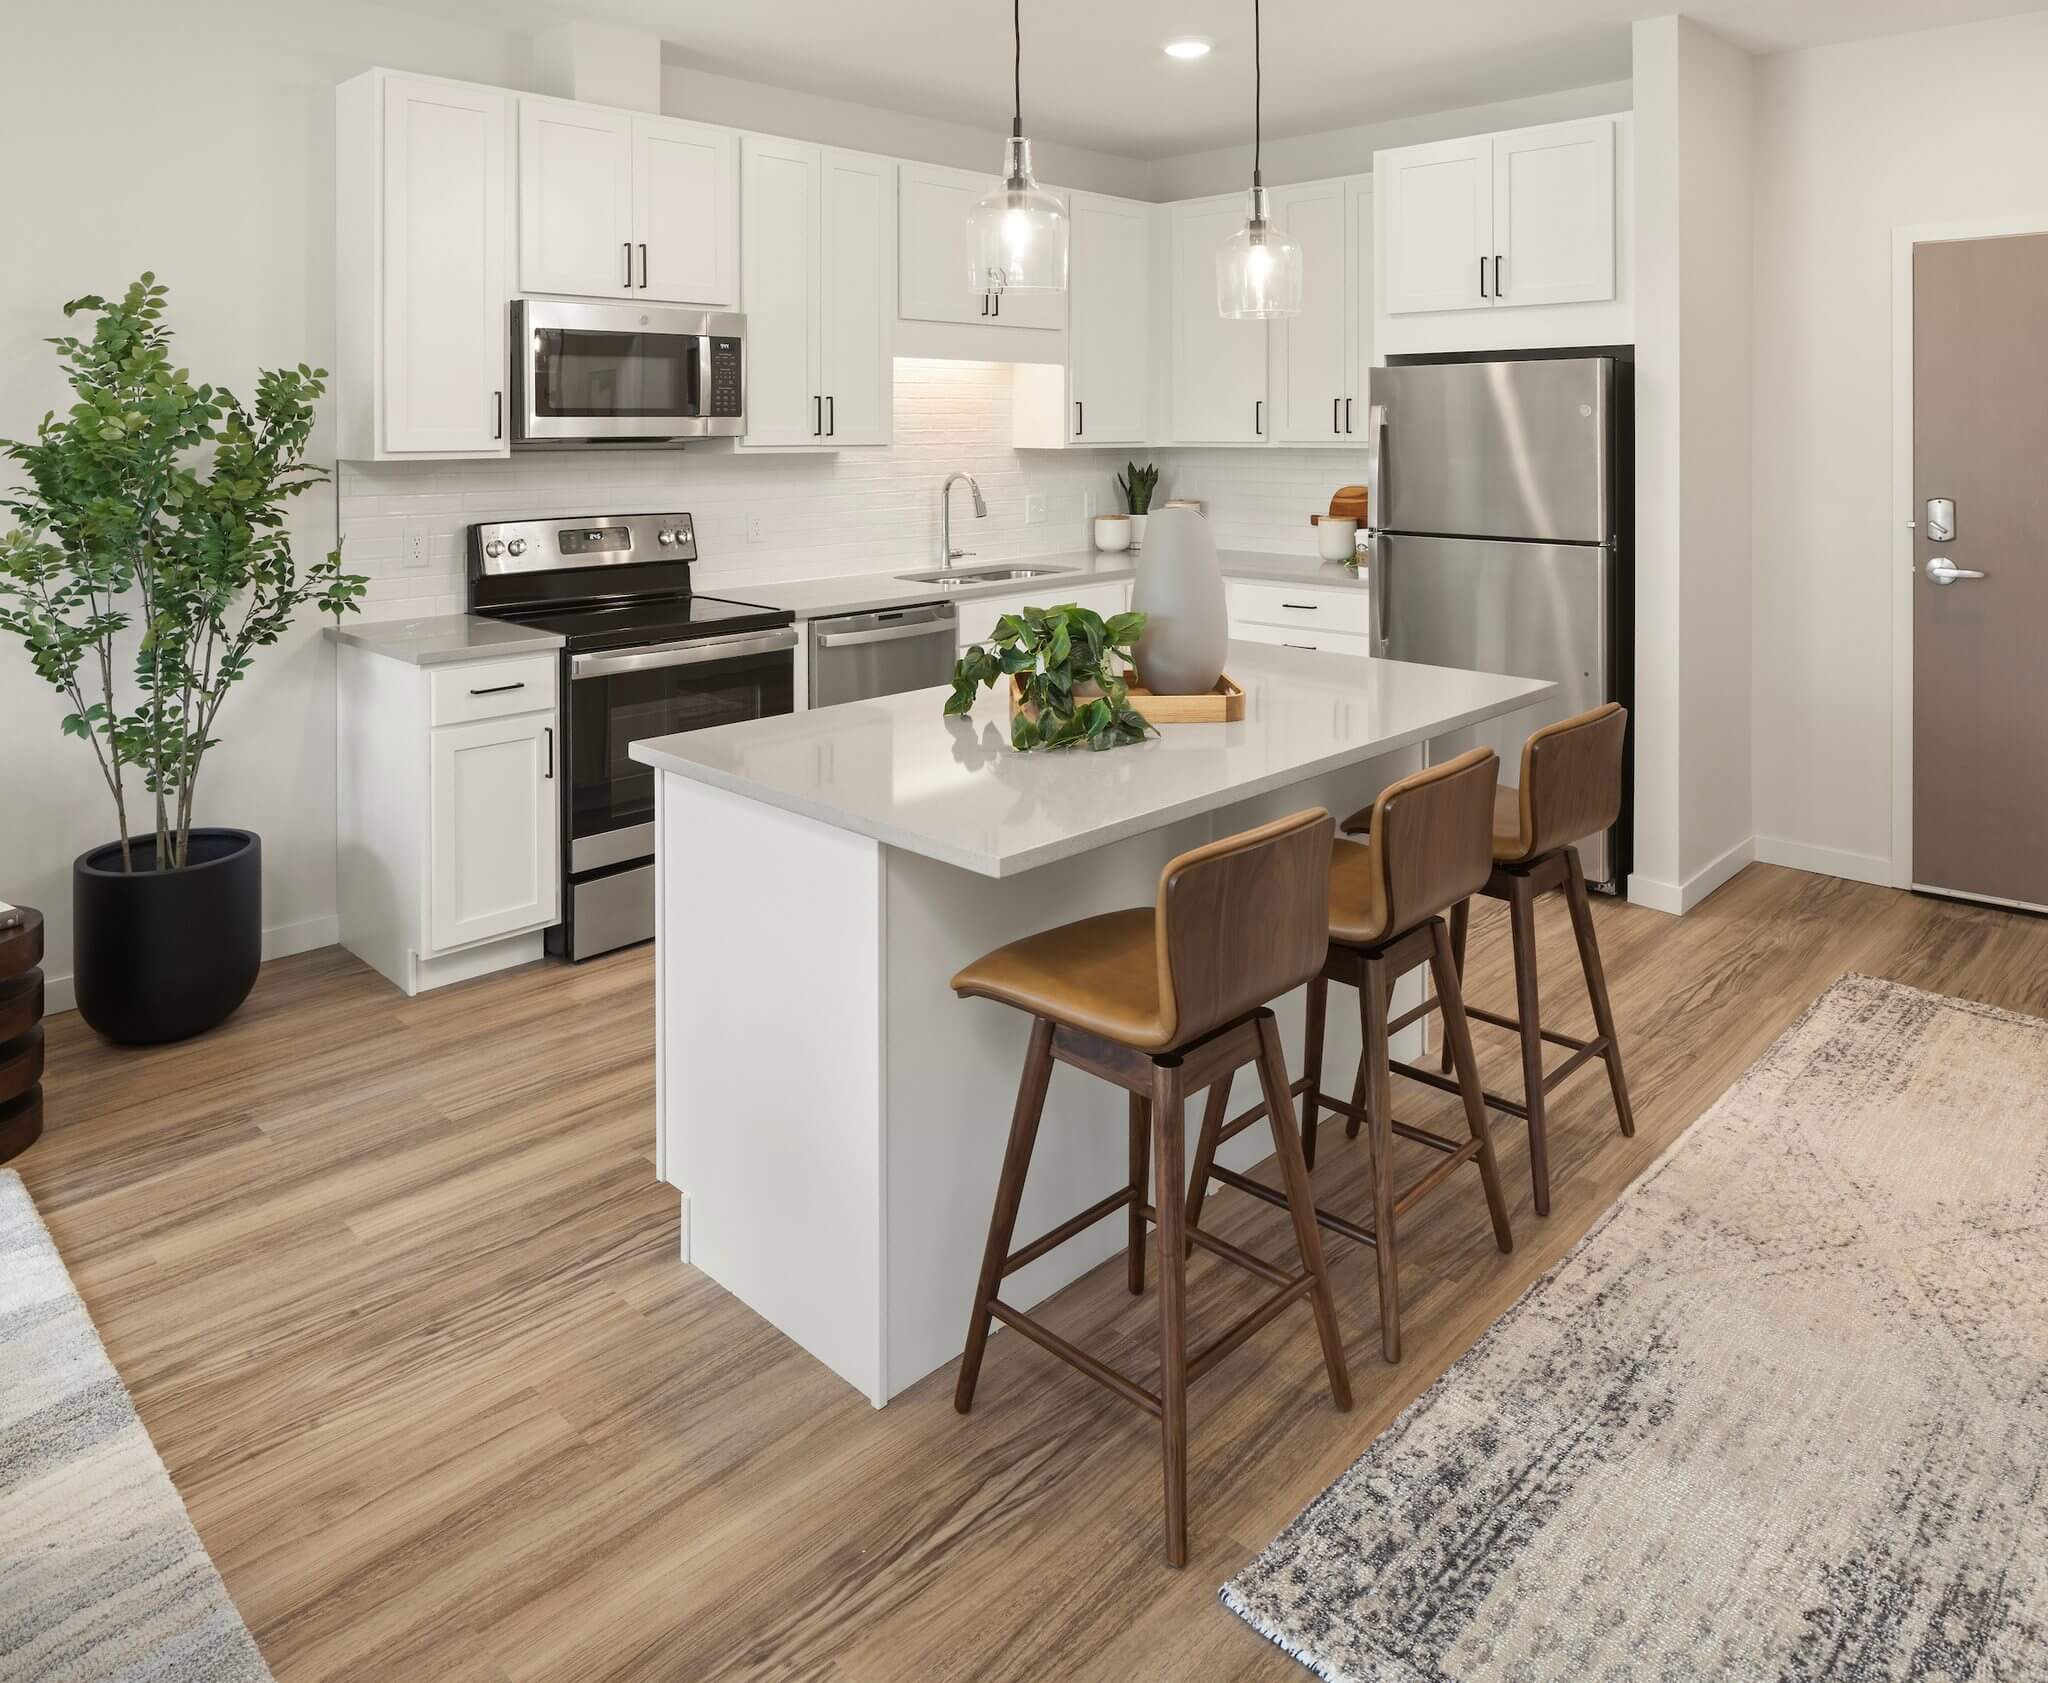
x,y
1138,530
1112,532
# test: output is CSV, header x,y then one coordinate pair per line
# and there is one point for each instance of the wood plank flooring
x,y
397,1295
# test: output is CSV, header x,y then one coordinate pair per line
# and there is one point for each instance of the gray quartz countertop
x,y
443,639
855,593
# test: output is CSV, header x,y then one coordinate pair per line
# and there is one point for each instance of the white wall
x,y
204,152
1693,195
1854,141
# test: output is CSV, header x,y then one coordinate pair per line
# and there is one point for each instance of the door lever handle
x,y
1944,571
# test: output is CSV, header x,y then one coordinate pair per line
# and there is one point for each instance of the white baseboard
x,y
280,941
1824,861
1678,898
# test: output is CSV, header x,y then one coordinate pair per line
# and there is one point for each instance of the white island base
x,y
832,1114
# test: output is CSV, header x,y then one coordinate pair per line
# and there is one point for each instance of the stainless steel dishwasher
x,y
857,656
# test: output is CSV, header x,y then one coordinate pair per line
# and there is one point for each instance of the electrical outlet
x,y
754,528
1034,509
414,541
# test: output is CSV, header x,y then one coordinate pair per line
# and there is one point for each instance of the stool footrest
x,y
1459,1157
1076,1357
1335,1223
1414,1014
1514,1026
1066,1230
1200,1361
1244,1119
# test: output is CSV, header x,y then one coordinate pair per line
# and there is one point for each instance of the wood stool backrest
x,y
1433,832
1243,920
1571,779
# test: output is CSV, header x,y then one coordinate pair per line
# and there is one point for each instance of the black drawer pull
x,y
499,689
1304,607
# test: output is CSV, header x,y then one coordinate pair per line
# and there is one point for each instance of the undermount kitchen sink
x,y
979,575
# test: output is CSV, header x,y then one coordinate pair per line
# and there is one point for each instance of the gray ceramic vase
x,y
1180,593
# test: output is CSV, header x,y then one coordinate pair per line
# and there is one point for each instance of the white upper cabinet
x,y
1219,366
934,276
1524,218
686,212
575,198
1103,393
1553,214
615,204
1361,351
1311,352
816,254
422,184
1439,225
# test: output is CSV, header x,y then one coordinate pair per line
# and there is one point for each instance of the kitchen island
x,y
832,1115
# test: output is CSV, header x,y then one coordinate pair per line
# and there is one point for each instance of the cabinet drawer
x,y
1287,637
1304,607
490,689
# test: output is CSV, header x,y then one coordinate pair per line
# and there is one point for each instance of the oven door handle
x,y
699,653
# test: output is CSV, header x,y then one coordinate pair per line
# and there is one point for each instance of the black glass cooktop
x,y
616,625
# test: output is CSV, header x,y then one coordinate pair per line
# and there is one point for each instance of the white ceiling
x,y
1094,74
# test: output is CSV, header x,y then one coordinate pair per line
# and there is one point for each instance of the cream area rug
x,y
102,1578
1782,1415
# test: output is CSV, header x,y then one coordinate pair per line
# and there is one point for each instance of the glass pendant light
x,y
1258,269
1017,236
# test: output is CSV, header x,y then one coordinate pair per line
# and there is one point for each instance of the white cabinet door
x,y
934,277
1219,365
1311,368
779,289
492,840
575,199
978,618
1439,226
1109,276
1358,399
856,298
685,185
442,335
1553,213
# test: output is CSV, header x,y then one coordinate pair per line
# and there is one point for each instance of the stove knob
x,y
494,549
517,546
666,536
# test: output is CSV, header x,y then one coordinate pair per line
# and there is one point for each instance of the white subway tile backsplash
x,y
858,511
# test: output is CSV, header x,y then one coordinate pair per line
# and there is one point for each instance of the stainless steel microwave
x,y
624,374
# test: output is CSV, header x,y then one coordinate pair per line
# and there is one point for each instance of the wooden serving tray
x,y
1223,705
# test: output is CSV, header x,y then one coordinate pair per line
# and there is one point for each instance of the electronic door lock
x,y
1941,520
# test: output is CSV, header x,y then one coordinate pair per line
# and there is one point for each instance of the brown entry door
x,y
1980,644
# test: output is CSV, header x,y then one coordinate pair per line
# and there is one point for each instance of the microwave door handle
x,y
702,652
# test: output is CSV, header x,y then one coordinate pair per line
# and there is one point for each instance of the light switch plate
x,y
1034,509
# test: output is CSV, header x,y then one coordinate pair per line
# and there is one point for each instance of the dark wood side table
x,y
21,1034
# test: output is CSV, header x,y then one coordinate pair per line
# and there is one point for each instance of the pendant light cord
x,y
1017,67
1258,96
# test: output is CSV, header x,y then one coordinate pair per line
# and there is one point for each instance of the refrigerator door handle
x,y
1376,590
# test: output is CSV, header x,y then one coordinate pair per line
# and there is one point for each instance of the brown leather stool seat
x,y
1431,847
1570,788
1160,1000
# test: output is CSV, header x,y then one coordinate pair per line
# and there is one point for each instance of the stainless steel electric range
x,y
643,655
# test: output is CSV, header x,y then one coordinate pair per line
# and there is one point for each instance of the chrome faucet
x,y
947,553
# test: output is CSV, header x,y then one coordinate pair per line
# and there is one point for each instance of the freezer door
x,y
1532,610
1496,449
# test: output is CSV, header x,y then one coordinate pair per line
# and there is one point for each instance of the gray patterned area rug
x,y
102,1578
1783,1415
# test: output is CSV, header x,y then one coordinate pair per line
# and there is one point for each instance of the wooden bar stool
x,y
1570,789
1430,849
1160,1000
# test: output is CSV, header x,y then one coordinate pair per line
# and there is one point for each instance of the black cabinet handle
x,y
629,265
1258,417
498,414
817,417
999,304
1077,417
984,305
1347,414
1496,276
499,689
1333,414
1482,277
831,416
1304,607
643,267
549,774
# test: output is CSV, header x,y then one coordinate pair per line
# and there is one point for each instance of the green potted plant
x,y
1137,484
151,533
1065,666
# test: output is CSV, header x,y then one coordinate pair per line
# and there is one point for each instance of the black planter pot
x,y
160,955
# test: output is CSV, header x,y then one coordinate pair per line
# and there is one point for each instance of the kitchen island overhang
x,y
833,1117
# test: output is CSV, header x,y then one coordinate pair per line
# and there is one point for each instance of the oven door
x,y
617,373
622,697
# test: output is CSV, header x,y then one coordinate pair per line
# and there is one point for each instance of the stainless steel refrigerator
x,y
1498,542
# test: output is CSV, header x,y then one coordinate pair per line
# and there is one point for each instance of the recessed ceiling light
x,y
1187,49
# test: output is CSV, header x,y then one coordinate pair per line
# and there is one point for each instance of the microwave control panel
x,y
725,378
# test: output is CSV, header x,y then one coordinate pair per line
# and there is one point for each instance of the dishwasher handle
x,y
886,633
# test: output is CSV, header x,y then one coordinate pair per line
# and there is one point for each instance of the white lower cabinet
x,y
448,837
978,618
1296,616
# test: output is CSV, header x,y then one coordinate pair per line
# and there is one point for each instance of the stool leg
x,y
1301,1204
1009,1194
1379,1082
1458,1040
1168,1106
1205,1149
1461,918
1312,1066
1141,1165
1522,927
1596,986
